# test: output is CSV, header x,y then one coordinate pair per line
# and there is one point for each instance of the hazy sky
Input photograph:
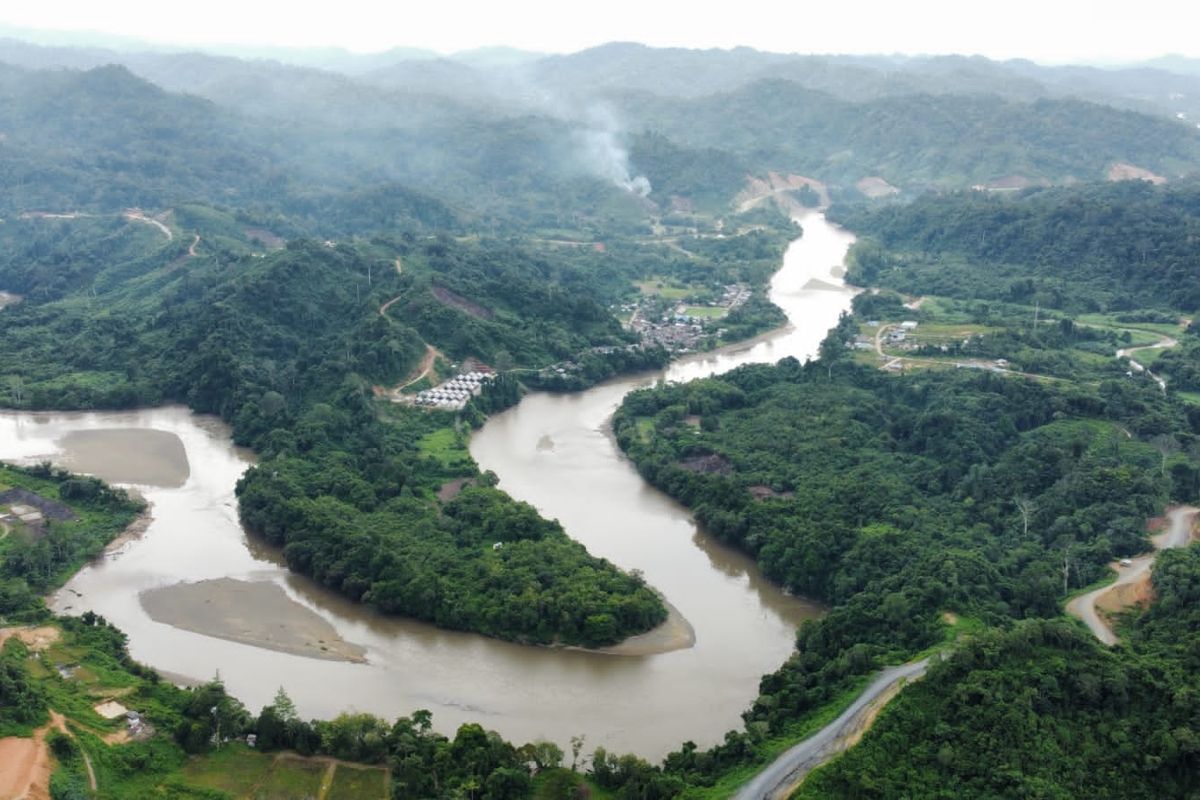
x,y
1046,30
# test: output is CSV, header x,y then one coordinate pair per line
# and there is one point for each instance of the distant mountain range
x,y
502,132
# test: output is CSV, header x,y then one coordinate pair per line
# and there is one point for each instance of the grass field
x,y
292,778
352,783
445,445
668,290
707,312
249,775
235,769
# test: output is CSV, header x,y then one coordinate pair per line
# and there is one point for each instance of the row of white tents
x,y
454,393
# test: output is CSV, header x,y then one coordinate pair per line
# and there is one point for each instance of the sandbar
x,y
257,613
128,455
675,633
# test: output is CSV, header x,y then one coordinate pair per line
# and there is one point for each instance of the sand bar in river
x,y
147,457
257,613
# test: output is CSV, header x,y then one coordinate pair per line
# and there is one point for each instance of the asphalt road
x,y
1178,534
778,779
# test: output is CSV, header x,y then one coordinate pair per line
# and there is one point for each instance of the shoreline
x,y
673,633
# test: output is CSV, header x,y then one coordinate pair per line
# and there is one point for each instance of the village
x,y
680,327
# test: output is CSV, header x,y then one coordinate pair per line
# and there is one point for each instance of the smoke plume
x,y
604,153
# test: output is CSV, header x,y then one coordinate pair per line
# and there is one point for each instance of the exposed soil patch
x,y
110,709
709,464
449,298
8,299
1128,172
36,639
257,613
761,492
779,188
25,764
1123,596
875,187
450,489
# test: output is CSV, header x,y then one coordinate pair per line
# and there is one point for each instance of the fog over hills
x,y
497,130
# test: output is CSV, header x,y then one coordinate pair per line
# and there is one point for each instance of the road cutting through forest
x,y
1132,585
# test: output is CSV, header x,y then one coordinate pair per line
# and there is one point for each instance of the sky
x,y
1043,30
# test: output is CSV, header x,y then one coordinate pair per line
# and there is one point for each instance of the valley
x,y
630,423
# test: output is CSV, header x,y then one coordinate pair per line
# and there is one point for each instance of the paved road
x,y
778,779
1178,534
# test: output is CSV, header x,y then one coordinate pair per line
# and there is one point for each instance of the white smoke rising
x,y
605,155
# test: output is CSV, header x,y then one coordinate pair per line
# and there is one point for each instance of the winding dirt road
x,y
1178,534
134,215
782,777
426,365
1161,344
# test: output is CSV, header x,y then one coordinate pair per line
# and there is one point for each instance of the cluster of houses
x,y
675,336
679,331
454,393
735,295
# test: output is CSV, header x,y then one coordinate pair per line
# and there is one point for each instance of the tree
x,y
576,748
1027,508
16,389
547,755
284,706
503,360
1166,445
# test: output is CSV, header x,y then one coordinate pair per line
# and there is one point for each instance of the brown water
x,y
554,451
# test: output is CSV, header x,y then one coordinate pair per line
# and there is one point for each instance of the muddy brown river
x,y
224,604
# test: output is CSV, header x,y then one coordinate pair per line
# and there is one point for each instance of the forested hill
x,y
923,139
1103,246
105,139
900,498
1042,710
525,146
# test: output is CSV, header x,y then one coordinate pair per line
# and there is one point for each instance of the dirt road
x,y
782,777
134,215
25,764
1178,534
426,365
1161,344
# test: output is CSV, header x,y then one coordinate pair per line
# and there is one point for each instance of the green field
x,y
708,312
249,775
358,783
667,289
444,445
235,769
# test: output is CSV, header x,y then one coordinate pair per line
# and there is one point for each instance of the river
x,y
554,451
